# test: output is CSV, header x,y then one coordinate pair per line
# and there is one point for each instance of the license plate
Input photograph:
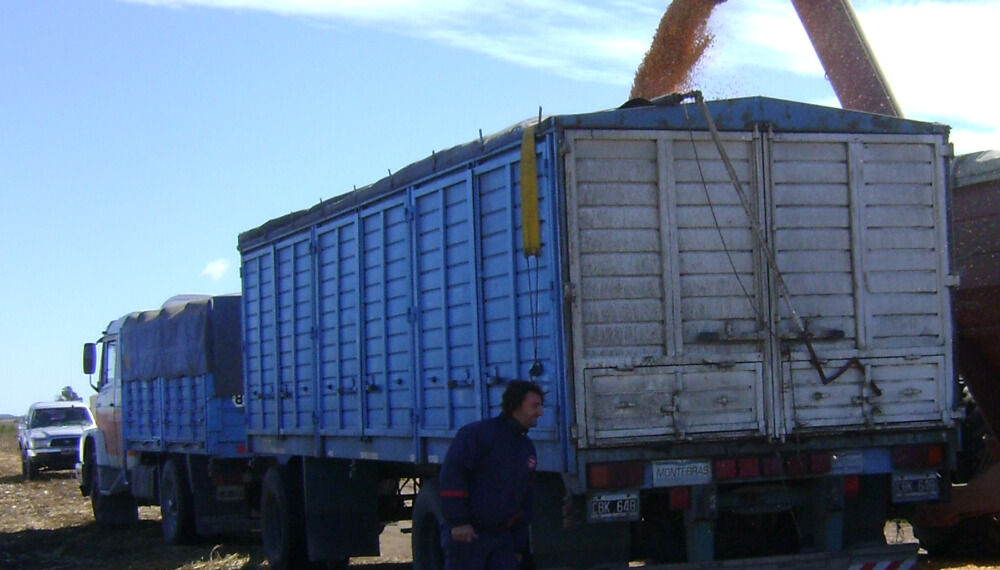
x,y
909,487
619,506
679,473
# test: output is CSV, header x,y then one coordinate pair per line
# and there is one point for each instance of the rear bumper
x,y
897,556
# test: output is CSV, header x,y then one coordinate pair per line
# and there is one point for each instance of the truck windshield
x,y
60,417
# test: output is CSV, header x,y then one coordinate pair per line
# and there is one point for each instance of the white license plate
x,y
909,487
682,472
618,506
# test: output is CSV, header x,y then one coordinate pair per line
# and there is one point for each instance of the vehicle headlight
x,y
37,441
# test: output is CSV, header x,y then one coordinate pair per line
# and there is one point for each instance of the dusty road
x,y
46,524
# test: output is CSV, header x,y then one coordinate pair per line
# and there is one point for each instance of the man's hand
x,y
464,533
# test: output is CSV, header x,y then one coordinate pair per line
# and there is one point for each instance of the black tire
x,y
176,505
937,541
110,510
28,469
282,522
428,519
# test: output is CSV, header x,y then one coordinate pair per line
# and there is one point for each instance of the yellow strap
x,y
530,230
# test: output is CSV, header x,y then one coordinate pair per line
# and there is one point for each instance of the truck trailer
x,y
739,311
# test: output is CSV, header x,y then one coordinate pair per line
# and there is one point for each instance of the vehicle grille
x,y
64,442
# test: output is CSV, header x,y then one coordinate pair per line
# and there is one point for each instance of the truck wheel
x,y
28,469
282,521
427,522
118,509
176,510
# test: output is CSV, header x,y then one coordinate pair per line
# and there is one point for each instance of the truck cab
x,y
101,462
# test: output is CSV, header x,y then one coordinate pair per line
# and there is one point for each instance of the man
x,y
486,485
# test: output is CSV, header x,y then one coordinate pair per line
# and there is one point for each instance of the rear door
x,y
680,326
666,287
858,226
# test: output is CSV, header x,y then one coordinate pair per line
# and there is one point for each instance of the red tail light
x,y
680,498
917,456
772,466
819,463
620,475
796,465
852,486
748,467
725,468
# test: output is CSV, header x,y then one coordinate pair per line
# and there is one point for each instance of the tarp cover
x,y
201,336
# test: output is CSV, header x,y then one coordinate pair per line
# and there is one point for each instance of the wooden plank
x,y
618,170
811,194
595,194
809,151
794,217
616,148
621,240
597,288
618,217
616,264
795,261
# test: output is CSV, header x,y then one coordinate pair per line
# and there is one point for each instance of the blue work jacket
x,y
486,478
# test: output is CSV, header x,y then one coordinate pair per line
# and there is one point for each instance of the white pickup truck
x,y
49,437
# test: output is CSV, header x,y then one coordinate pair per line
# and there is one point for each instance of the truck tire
x,y
110,510
176,508
428,520
282,521
28,469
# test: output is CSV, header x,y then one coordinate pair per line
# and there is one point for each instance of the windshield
x,y
51,417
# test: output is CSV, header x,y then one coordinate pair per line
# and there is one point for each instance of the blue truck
x,y
739,311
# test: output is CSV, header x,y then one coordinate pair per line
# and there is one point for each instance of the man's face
x,y
529,411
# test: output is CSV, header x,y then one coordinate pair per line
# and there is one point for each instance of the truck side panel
x,y
378,331
180,415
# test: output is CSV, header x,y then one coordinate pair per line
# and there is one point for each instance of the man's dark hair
x,y
515,393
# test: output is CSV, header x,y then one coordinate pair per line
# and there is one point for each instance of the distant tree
x,y
69,395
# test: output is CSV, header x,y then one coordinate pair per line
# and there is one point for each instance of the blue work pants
x,y
490,551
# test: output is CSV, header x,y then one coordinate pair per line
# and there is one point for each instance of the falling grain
x,y
680,41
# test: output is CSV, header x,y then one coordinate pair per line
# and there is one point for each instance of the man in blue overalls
x,y
486,485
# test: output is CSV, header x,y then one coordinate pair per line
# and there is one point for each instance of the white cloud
x,y
934,53
216,270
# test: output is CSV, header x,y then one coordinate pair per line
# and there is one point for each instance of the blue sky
x,y
139,138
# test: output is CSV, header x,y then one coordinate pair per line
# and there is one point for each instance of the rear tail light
x,y
725,468
917,456
819,463
622,475
680,498
852,487
748,467
772,466
796,465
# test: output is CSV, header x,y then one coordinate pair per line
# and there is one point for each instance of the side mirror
x,y
89,358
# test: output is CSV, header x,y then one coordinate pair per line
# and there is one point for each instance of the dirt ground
x,y
46,524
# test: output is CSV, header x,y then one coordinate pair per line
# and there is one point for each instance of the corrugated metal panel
x,y
386,333
665,331
378,332
181,415
448,334
338,343
679,325
859,239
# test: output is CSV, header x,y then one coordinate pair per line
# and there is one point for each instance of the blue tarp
x,y
201,336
